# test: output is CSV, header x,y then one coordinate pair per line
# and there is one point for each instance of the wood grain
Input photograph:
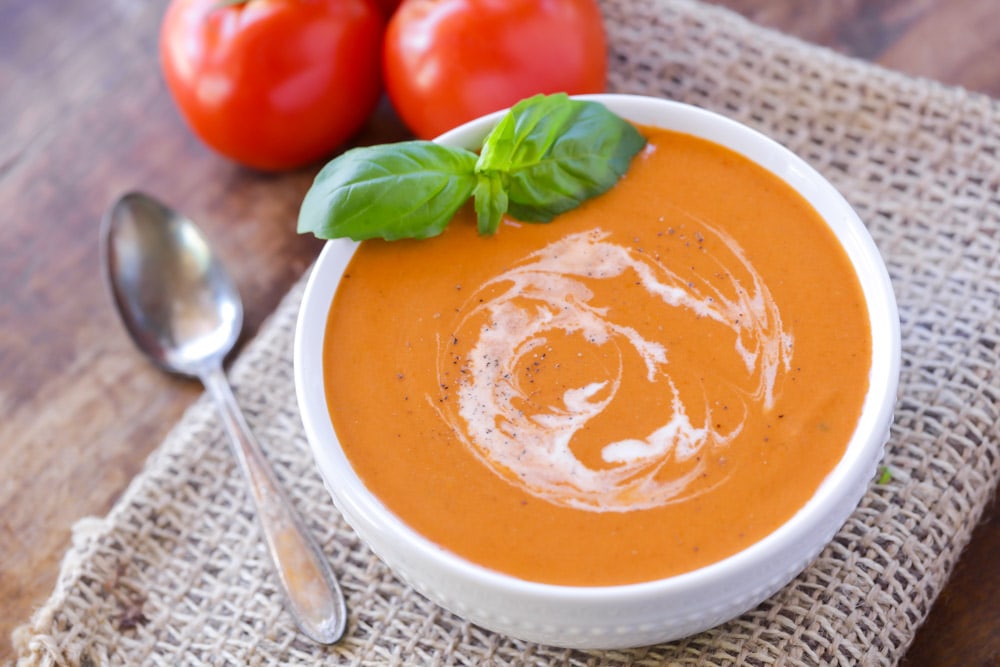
x,y
85,116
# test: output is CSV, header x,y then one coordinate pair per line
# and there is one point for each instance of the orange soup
x,y
647,385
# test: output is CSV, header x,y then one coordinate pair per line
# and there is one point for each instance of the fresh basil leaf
x,y
526,134
410,189
545,156
498,146
490,200
562,152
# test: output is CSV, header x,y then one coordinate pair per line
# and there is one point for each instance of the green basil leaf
x,y
410,189
526,134
491,201
559,152
498,146
545,156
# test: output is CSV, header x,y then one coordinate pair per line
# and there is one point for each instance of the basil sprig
x,y
547,155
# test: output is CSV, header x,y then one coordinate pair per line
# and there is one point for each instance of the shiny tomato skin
x,y
449,61
273,84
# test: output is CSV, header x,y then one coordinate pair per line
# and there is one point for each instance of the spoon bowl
x,y
184,312
175,297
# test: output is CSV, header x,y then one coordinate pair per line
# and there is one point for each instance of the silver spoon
x,y
184,312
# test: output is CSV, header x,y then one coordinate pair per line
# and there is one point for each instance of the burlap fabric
x,y
176,574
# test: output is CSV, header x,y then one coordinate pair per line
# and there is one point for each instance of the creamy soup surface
x,y
647,385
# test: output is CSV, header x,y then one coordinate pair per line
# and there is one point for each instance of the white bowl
x,y
643,613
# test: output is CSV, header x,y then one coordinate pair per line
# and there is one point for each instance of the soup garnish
x,y
545,156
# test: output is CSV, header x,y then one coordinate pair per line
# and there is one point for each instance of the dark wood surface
x,y
84,116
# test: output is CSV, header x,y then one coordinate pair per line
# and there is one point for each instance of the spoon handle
x,y
315,599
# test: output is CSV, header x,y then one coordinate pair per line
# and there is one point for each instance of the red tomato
x,y
449,61
273,84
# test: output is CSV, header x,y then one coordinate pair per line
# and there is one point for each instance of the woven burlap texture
x,y
176,573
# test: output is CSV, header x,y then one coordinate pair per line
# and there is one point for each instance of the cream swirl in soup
x,y
509,322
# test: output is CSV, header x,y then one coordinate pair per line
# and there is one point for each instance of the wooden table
x,y
84,116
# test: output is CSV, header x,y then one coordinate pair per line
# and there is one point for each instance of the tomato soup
x,y
649,384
